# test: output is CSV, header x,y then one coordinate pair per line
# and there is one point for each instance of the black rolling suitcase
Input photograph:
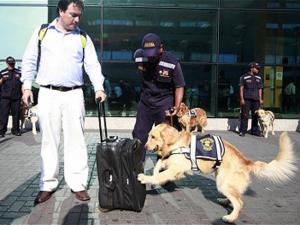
x,y
119,161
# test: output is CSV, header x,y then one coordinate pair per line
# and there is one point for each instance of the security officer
x,y
162,86
11,93
250,98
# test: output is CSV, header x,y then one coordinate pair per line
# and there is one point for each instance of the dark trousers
x,y
250,105
10,105
145,119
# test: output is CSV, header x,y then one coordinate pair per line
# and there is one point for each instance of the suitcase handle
x,y
108,179
112,138
101,111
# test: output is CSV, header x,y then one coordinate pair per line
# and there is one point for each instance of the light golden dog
x,y
192,119
266,121
232,176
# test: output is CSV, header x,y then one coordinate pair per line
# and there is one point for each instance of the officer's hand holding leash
x,y
242,102
172,111
100,96
261,102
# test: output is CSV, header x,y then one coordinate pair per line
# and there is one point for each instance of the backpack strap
x,y
42,32
83,42
41,35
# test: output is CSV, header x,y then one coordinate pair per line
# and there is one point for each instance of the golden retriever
x,y
192,119
232,176
266,121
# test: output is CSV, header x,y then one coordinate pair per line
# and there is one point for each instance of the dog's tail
x,y
282,168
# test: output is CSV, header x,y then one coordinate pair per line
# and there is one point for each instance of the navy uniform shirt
x,y
160,80
251,84
12,87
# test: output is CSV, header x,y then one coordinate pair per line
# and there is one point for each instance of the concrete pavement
x,y
189,201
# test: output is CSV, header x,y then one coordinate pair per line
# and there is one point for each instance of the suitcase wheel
x,y
103,209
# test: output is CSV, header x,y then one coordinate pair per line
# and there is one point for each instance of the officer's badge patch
x,y
207,143
141,68
164,73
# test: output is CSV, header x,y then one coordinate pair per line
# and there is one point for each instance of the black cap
x,y
10,60
253,65
151,44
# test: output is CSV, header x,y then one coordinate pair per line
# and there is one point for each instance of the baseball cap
x,y
151,44
253,65
10,60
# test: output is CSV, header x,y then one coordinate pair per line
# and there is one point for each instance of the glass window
x,y
199,89
280,90
259,4
12,43
122,86
228,90
189,36
267,37
163,3
86,2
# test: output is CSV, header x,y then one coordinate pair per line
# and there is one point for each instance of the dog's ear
x,y
169,134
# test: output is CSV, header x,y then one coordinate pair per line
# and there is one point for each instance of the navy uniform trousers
x,y
250,105
146,117
6,106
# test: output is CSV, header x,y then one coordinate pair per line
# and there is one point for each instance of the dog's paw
x,y
228,219
142,178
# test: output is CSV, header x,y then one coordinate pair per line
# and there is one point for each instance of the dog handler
x,y
162,86
60,100
250,98
11,88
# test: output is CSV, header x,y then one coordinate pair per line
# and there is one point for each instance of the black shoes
x,y
42,197
2,135
256,133
16,133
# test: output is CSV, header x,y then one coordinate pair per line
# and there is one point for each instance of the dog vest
x,y
210,147
192,113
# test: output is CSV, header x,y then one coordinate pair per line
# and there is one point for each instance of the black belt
x,y
61,88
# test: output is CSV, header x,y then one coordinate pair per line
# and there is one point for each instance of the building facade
x,y
213,39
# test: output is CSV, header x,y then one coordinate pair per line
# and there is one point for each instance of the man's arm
x,y
93,69
29,62
179,92
242,101
260,96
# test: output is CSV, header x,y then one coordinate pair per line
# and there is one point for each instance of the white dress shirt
x,y
61,60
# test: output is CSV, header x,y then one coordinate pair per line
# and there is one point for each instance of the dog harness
x,y
209,147
192,113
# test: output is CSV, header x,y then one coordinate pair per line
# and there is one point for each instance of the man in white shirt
x,y
60,100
